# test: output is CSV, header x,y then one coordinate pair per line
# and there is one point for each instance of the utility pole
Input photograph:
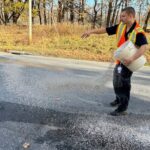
x,y
30,21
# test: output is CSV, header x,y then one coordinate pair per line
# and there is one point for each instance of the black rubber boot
x,y
114,103
118,113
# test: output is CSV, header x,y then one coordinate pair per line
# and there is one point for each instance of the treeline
x,y
100,12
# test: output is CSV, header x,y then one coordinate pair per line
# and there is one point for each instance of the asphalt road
x,y
63,104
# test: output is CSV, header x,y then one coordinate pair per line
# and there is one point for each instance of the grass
x,y
62,40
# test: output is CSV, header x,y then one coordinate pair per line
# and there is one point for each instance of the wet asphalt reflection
x,y
61,108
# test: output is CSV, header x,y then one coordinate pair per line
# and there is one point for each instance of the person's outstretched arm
x,y
94,31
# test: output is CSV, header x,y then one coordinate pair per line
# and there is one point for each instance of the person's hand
x,y
127,61
86,34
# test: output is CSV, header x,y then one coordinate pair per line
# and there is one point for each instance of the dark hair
x,y
129,10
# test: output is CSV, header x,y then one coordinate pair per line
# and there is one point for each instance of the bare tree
x,y
109,12
71,6
95,14
146,20
81,11
44,12
114,12
2,19
52,4
33,8
139,13
117,14
39,11
101,15
6,11
126,3
60,8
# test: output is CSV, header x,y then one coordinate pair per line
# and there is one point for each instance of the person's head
x,y
127,15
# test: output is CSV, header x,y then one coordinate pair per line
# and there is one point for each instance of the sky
x,y
90,2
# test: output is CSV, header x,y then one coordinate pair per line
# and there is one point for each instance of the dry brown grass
x,y
62,40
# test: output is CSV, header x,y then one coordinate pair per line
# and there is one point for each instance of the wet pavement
x,y
63,104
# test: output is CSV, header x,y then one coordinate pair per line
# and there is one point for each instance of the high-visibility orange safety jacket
x,y
132,36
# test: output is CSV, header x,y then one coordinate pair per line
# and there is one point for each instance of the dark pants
x,y
122,85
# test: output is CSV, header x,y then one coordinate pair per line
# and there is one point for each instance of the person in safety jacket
x,y
127,29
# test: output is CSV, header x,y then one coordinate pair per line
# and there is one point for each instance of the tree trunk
x,y
44,7
59,17
71,11
101,16
140,13
114,13
122,6
95,14
63,14
15,17
146,20
33,7
39,11
126,3
119,8
81,11
6,18
52,12
1,13
79,17
109,13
